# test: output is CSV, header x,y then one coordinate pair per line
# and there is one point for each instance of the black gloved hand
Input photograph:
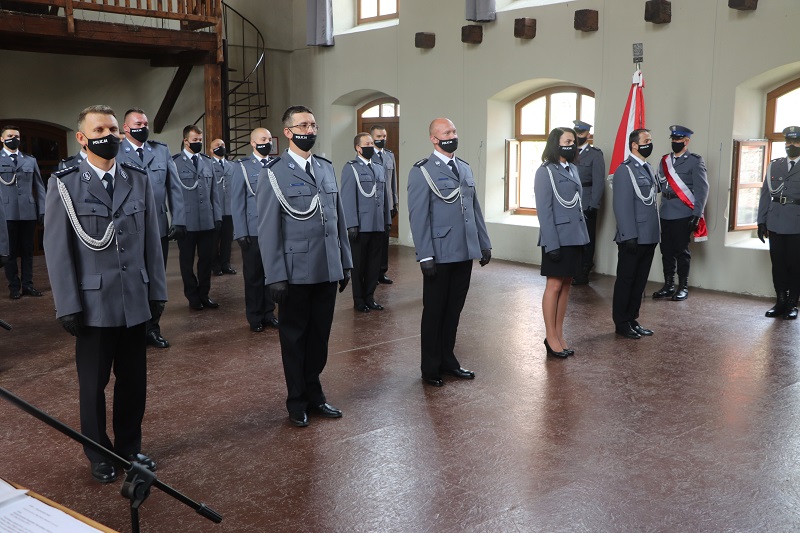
x,y
428,268
762,232
72,323
486,256
590,213
244,242
631,245
156,309
388,229
345,280
176,233
3,260
693,223
554,255
279,291
217,225
393,211
41,220
352,233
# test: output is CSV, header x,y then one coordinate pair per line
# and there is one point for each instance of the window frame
x,y
513,205
366,20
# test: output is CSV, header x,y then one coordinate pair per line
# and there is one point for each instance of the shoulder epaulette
x,y
153,141
695,155
272,162
176,156
65,171
130,165
67,159
595,148
462,160
421,162
374,162
777,159
353,161
204,155
387,150
323,159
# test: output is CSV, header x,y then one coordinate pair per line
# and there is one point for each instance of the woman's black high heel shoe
x,y
554,353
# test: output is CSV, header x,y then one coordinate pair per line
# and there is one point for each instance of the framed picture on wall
x,y
275,149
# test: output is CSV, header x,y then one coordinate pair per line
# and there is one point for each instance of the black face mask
x,y
792,151
582,140
677,147
140,134
567,152
367,152
219,151
196,148
449,145
264,149
645,150
304,142
380,144
12,143
104,147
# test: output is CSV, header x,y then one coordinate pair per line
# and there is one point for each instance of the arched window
x,y
375,10
535,116
783,110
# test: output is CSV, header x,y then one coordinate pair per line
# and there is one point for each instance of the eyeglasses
x,y
305,126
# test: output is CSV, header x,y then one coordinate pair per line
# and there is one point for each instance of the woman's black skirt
x,y
568,266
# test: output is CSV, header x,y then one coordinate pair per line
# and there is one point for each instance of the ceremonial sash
x,y
685,194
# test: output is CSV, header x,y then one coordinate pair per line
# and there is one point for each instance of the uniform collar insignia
x,y
127,149
122,173
87,176
437,163
291,165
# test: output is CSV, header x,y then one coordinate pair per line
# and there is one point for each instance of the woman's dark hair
x,y
552,153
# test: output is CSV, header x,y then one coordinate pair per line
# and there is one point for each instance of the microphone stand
x,y
139,479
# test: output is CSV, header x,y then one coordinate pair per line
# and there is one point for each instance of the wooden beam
x,y
213,103
587,20
196,59
658,11
425,40
472,34
743,5
70,16
525,28
173,92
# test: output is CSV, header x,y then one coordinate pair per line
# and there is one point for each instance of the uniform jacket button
x,y
124,268
116,215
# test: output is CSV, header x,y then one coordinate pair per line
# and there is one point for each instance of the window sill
x,y
370,26
745,240
528,221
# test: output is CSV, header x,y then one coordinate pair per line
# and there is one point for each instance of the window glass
x,y
563,109
787,111
372,112
532,118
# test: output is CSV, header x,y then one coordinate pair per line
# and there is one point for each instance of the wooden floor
x,y
694,429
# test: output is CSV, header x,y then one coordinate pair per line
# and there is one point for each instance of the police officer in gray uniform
x,y
679,220
304,247
368,219
3,239
449,232
592,169
223,172
386,159
22,198
203,209
635,187
73,160
258,305
155,158
779,221
107,274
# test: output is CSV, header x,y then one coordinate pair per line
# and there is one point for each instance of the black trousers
x,y
784,251
258,305
675,236
97,351
222,244
154,324
20,244
196,288
443,297
305,327
384,255
366,251
632,271
588,251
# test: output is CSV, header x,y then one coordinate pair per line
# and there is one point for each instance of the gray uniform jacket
x,y
3,234
201,201
592,169
223,175
780,218
390,174
243,196
21,188
692,170
112,287
302,252
163,176
369,213
635,218
70,161
448,232
558,225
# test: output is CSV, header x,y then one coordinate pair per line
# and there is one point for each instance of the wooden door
x,y
384,112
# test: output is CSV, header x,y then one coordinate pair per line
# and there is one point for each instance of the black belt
x,y
668,195
587,184
785,200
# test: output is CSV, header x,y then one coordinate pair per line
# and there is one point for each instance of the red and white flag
x,y
632,119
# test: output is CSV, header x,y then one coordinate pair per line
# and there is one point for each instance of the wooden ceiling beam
x,y
173,92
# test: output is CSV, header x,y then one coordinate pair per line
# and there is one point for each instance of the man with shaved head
x,y
449,232
258,305
223,172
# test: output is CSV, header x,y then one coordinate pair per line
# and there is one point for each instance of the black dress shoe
x,y
208,302
228,270
271,322
376,306
436,382
104,472
219,273
462,373
791,313
569,351
328,411
580,281
298,418
154,339
562,354
364,308
143,460
197,306
30,291
628,332
383,279
644,332
256,328
14,294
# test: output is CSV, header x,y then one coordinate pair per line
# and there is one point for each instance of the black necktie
x,y
109,182
141,155
791,165
265,161
194,161
380,157
372,170
308,170
221,165
14,160
452,165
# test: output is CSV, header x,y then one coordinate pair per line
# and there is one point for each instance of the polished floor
x,y
694,429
